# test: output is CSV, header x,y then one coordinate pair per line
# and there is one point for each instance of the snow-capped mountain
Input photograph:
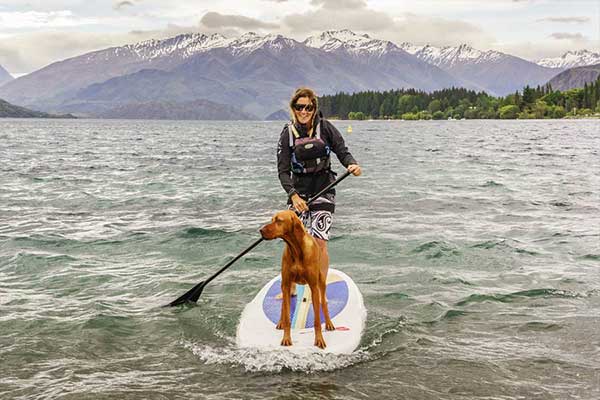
x,y
184,46
252,72
571,59
256,74
4,76
188,45
495,72
449,57
350,42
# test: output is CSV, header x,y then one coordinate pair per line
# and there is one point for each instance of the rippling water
x,y
476,245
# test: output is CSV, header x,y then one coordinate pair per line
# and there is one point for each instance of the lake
x,y
476,245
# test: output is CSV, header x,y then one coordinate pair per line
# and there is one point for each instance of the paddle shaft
x,y
194,293
253,245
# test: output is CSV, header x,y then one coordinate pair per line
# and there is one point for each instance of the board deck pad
x,y
346,309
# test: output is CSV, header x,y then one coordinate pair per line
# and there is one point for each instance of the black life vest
x,y
309,154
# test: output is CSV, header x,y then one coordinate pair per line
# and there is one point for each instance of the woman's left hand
x,y
354,169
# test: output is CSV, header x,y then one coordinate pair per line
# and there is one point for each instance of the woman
x,y
303,163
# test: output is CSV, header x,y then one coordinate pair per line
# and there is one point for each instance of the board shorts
x,y
317,223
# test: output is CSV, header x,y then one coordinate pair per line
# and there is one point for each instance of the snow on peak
x,y
185,45
351,42
570,59
249,42
451,56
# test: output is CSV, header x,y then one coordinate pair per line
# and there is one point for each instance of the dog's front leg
x,y
284,320
322,291
316,300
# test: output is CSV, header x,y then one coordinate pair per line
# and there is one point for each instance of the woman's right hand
x,y
298,203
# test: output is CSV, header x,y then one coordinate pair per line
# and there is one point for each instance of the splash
x,y
255,360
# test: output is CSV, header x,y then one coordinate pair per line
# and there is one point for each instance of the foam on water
x,y
255,360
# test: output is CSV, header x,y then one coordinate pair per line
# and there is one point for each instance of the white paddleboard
x,y
346,308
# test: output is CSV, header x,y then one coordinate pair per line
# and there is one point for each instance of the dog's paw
x,y
279,325
286,341
329,326
320,342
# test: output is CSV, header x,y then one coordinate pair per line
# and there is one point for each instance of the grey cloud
x,y
216,20
567,36
357,19
120,4
339,4
578,20
418,29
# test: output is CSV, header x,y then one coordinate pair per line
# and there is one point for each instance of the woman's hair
x,y
304,92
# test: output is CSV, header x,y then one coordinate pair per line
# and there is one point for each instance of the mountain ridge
x,y
570,59
257,73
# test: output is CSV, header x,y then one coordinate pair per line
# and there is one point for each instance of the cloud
x,y
339,4
24,53
21,20
121,4
215,20
567,20
567,36
357,18
419,29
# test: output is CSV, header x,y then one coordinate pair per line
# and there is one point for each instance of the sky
x,y
35,33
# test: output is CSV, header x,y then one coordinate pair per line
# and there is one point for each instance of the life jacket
x,y
309,154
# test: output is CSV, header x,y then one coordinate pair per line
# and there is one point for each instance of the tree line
x,y
459,103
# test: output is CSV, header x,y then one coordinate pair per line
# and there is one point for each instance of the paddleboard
x,y
346,309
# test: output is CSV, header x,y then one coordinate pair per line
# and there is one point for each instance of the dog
x,y
300,263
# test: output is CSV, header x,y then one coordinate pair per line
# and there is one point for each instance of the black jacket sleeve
x,y
284,157
338,146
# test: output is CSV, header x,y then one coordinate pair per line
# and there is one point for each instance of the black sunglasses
x,y
307,107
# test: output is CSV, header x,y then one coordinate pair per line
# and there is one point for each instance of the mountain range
x,y
571,59
254,75
485,69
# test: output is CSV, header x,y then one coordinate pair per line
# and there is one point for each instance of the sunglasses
x,y
307,107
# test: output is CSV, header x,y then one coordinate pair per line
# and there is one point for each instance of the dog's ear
x,y
297,227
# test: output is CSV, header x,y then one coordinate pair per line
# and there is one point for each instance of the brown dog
x,y
300,263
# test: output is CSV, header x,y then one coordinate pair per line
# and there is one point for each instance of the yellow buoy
x,y
349,130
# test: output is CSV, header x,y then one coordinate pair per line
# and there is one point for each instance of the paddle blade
x,y
191,296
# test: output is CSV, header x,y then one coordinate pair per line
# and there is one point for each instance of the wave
x,y
516,296
491,184
492,244
196,232
436,249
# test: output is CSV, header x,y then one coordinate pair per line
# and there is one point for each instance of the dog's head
x,y
282,224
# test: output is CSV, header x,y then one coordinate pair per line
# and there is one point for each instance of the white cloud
x,y
566,20
358,18
17,20
214,20
567,36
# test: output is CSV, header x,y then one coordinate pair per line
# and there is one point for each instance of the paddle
x,y
192,295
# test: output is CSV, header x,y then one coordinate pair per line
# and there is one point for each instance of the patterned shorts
x,y
317,223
